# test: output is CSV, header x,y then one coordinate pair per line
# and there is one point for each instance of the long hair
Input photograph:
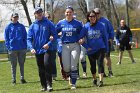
x,y
87,17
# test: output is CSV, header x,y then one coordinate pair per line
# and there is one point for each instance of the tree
x,y
26,11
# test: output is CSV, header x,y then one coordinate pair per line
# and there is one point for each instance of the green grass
x,y
126,78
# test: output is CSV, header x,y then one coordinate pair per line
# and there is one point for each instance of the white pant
x,y
70,56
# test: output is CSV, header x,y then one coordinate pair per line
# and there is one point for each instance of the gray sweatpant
x,y
70,56
19,56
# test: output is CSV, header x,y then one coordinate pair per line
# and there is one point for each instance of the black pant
x,y
44,69
99,57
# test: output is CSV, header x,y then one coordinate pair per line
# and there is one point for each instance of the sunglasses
x,y
92,16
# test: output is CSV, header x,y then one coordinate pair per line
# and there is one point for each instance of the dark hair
x,y
88,14
69,7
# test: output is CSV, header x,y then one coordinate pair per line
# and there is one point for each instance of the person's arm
x,y
117,37
105,38
30,38
6,37
24,34
111,32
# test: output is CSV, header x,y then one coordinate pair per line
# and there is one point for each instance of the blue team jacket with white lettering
x,y
39,34
70,30
96,37
15,36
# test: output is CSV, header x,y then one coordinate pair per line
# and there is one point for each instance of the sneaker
x,y
95,82
133,62
110,74
14,82
73,87
54,78
118,63
84,75
23,81
43,89
49,88
100,84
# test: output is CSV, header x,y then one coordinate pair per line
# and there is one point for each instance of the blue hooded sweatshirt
x,y
96,37
15,36
108,26
39,34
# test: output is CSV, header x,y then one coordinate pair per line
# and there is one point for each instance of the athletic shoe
x,y
23,81
95,82
133,62
100,84
118,63
110,74
49,88
14,82
73,87
78,77
84,75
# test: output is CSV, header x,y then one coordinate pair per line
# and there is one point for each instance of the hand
x,y
130,43
33,51
60,33
81,41
46,46
51,38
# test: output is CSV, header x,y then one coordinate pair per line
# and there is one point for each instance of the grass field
x,y
126,78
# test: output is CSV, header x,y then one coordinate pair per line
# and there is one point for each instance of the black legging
x,y
99,57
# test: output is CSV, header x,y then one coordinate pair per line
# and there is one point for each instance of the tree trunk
x,y
127,14
26,11
115,13
109,11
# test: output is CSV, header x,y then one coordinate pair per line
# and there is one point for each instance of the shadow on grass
x,y
127,74
130,82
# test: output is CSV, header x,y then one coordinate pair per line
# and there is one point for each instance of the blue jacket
x,y
70,30
15,36
96,37
108,26
39,34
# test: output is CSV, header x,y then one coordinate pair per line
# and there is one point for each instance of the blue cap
x,y
38,10
69,7
14,15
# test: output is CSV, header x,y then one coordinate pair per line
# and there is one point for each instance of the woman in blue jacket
x,y
15,40
39,43
96,45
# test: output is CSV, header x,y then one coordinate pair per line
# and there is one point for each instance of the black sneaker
x,y
14,82
49,88
110,74
95,82
100,84
23,81
119,63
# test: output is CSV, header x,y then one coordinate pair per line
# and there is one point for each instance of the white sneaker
x,y
73,87
84,75
49,88
119,63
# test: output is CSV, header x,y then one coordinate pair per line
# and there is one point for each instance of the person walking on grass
x,y
16,42
70,29
110,34
38,39
96,45
124,41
